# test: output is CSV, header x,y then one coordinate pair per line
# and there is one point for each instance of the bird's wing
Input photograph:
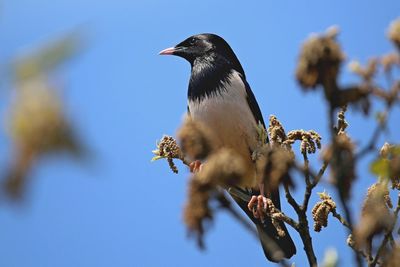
x,y
251,100
255,109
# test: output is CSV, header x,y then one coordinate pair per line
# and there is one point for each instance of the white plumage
x,y
228,116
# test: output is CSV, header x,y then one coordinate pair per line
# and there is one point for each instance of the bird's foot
x,y
258,205
195,166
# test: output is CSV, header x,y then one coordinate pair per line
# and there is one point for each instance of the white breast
x,y
230,119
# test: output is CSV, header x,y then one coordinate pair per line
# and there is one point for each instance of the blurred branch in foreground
x,y
36,121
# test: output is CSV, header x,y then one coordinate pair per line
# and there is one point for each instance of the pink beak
x,y
168,51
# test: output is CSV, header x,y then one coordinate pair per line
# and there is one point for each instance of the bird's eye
x,y
192,41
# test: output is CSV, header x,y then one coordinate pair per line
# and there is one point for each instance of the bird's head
x,y
202,46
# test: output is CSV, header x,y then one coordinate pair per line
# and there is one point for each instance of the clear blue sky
x,y
122,210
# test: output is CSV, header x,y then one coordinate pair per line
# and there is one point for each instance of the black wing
x,y
251,100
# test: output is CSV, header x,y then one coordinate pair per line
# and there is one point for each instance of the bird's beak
x,y
168,51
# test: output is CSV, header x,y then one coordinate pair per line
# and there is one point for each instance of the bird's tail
x,y
275,247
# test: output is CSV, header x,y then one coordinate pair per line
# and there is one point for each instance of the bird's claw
x,y
258,205
195,166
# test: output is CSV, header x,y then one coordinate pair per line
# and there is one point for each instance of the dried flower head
x,y
321,211
276,131
310,140
341,155
319,60
375,214
195,139
394,32
168,148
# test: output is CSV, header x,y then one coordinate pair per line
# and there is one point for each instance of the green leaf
x,y
380,167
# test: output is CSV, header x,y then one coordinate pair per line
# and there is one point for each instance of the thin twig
x,y
290,198
340,218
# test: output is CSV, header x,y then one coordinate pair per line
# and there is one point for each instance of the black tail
x,y
275,247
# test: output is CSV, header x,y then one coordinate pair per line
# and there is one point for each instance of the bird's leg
x,y
195,166
258,204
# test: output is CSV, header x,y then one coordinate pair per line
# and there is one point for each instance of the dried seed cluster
x,y
169,149
276,216
321,211
310,140
276,131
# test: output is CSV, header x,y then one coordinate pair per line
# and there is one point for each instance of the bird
x,y
220,97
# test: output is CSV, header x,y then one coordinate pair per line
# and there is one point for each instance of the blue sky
x,y
120,209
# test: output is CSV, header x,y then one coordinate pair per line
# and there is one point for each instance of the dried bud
x,y
384,152
394,32
341,121
319,60
195,139
321,211
375,213
310,140
350,241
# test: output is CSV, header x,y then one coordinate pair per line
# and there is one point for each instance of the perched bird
x,y
220,98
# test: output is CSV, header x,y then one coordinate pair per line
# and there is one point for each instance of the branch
x,y
341,219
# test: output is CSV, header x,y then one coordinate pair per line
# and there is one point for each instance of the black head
x,y
204,46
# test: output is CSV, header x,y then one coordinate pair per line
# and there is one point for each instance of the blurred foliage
x,y
36,121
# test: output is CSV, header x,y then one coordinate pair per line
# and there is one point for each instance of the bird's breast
x,y
228,116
